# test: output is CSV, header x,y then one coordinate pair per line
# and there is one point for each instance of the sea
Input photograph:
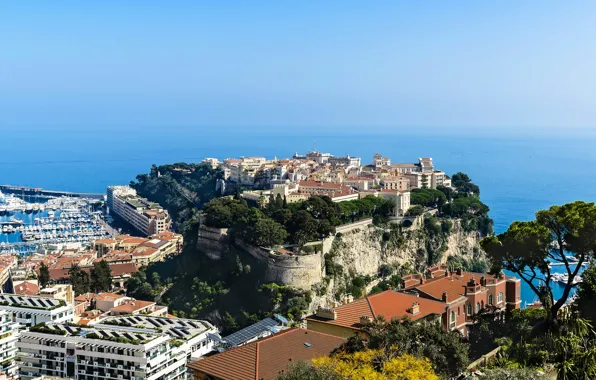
x,y
518,173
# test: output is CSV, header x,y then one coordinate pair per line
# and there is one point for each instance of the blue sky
x,y
344,65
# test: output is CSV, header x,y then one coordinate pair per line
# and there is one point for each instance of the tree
x,y
101,277
306,371
416,210
377,365
269,233
445,349
302,227
586,301
79,280
556,235
463,184
44,275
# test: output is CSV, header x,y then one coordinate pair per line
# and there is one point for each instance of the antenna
x,y
316,146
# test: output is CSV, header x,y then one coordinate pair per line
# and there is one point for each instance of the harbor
x,y
26,227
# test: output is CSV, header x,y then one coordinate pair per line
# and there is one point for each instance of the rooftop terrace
x,y
31,302
181,329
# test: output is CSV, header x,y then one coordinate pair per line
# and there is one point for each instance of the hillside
x,y
349,248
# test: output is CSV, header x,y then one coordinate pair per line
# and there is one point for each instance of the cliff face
x,y
362,251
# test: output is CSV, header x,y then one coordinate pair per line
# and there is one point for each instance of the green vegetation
x,y
446,351
44,275
42,328
180,188
101,277
297,223
527,249
391,277
229,292
98,279
586,302
119,339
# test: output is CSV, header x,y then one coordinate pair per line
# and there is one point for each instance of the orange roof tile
x,y
389,304
265,359
27,288
132,306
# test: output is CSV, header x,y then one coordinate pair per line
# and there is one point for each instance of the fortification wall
x,y
213,241
299,271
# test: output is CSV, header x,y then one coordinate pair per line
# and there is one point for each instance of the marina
x,y
26,227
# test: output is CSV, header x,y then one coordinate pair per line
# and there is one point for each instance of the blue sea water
x,y
518,175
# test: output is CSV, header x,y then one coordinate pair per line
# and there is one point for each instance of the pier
x,y
37,191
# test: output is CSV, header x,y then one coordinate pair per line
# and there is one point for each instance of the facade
x,y
265,359
419,180
465,293
347,320
344,161
380,162
109,352
396,183
9,335
31,310
60,292
400,198
197,338
147,217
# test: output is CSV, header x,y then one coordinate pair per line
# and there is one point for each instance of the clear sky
x,y
335,64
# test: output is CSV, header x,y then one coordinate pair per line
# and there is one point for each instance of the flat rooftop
x,y
31,302
112,334
177,328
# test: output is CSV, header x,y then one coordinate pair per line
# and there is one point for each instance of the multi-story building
x,y
396,183
9,334
379,161
106,352
196,338
31,310
344,161
63,292
401,199
451,299
146,217
347,320
465,293
419,180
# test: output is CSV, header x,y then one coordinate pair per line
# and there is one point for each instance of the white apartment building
x,y
147,217
9,334
379,161
109,352
31,310
196,338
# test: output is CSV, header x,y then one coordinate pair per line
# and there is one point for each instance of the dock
x,y
37,191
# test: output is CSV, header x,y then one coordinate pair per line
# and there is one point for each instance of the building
x,y
265,359
259,330
197,338
396,183
318,188
360,183
419,180
26,288
60,292
146,217
380,162
9,335
401,199
347,320
114,352
465,293
344,161
117,304
31,310
424,165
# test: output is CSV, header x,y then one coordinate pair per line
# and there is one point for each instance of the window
x,y
458,312
477,307
481,304
470,311
490,299
500,298
452,320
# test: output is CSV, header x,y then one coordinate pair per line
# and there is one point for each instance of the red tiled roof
x,y
453,285
266,358
123,268
389,304
321,185
132,306
27,288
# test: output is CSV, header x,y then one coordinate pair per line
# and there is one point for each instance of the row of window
x,y
470,308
